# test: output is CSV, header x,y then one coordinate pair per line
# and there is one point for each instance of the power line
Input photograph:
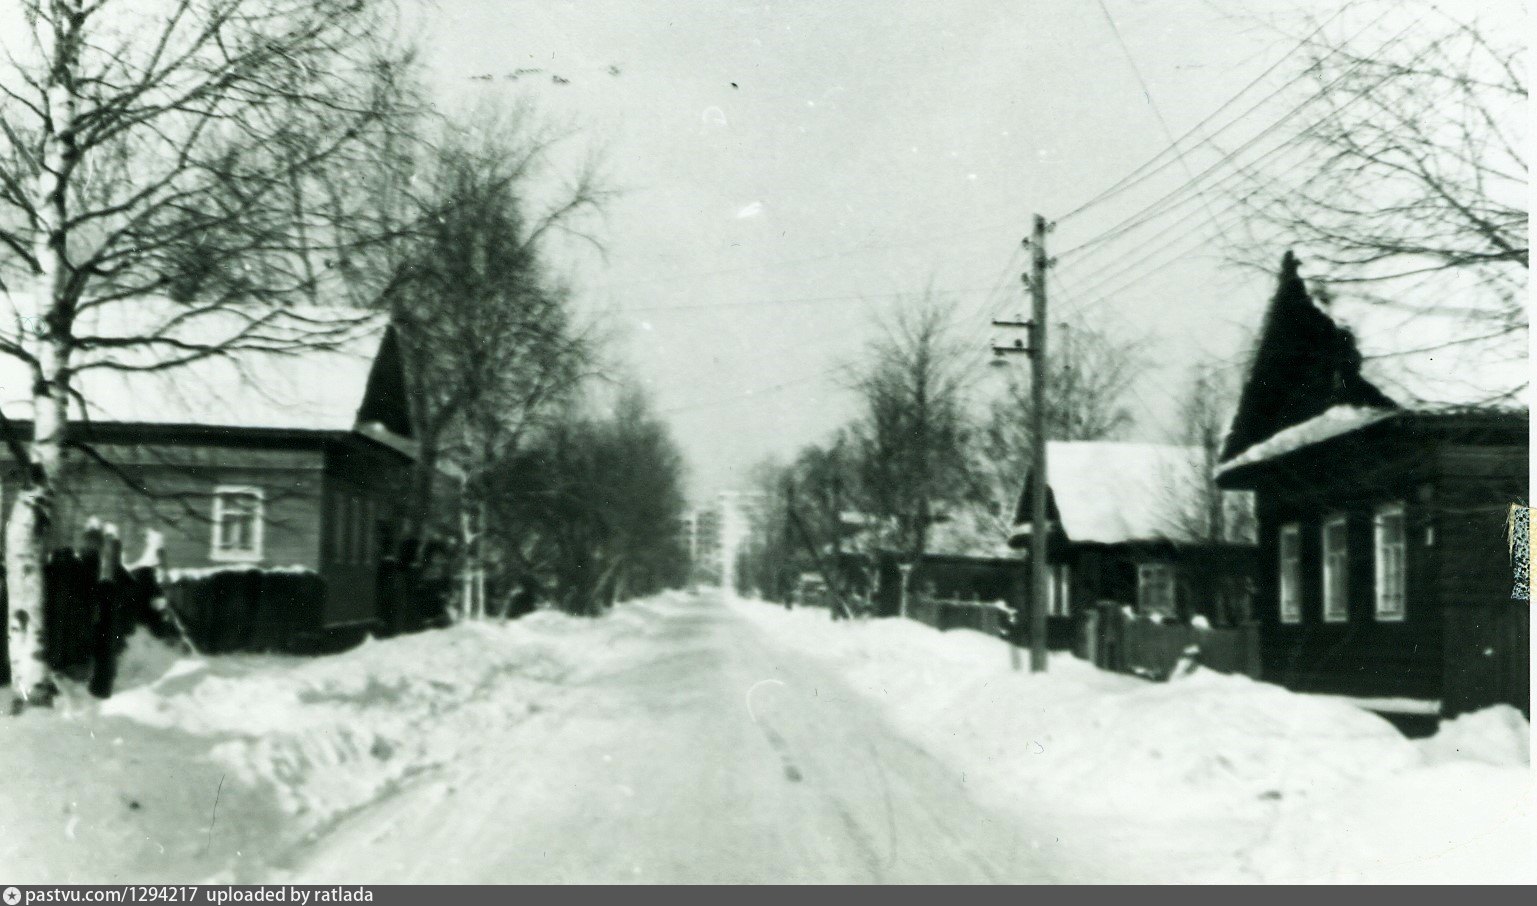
x,y
1222,224
1228,157
1147,93
1100,296
1132,178
1158,211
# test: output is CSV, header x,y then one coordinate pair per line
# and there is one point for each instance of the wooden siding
x,y
175,496
1454,495
300,478
1476,488
374,478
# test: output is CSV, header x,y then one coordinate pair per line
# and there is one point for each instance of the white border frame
x,y
1168,573
1393,508
1294,617
258,529
1343,521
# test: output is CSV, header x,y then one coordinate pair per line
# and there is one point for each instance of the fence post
x,y
105,591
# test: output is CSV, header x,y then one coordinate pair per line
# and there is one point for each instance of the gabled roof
x,y
296,368
1325,368
1111,493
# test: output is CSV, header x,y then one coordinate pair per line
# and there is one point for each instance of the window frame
x,y
1396,509
258,525
1289,574
1327,569
1059,590
1166,571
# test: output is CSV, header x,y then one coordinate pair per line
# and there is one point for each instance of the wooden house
x,y
967,560
274,454
1130,523
1385,444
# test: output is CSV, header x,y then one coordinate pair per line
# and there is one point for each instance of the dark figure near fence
x,y
95,602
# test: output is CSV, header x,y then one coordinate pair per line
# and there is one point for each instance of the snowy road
x,y
713,757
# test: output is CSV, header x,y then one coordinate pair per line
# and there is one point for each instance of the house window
x,y
1059,600
1336,574
1291,573
1388,531
1155,589
237,523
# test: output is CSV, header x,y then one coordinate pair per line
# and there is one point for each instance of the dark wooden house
x,y
275,454
1385,445
1131,523
967,560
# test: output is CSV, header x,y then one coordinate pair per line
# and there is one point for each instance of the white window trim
x,y
1166,573
1059,592
258,526
1390,509
1325,573
1289,615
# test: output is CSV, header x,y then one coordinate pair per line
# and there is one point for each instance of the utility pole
x,y
1035,347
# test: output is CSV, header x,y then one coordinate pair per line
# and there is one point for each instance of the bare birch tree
x,y
453,247
154,148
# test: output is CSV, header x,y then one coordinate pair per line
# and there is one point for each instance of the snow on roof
x,y
1110,492
1332,422
971,532
1428,358
277,380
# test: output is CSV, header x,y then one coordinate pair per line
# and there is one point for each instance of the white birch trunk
x,y
28,533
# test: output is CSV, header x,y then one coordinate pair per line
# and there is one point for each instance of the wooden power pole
x,y
1040,574
1035,347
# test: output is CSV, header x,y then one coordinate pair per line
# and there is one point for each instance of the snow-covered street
x,y
715,756
689,739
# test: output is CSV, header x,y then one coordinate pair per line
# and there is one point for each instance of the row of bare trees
x,y
237,160
933,449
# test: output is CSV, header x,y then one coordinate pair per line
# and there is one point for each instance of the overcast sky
x,y
789,169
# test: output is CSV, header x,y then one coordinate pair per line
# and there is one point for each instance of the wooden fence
x,y
1117,641
94,602
250,610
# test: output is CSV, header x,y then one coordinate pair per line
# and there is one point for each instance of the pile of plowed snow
x,y
1318,789
191,739
331,733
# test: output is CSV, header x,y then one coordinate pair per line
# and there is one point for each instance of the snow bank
x,y
1498,736
1310,787
332,733
203,769
1456,822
